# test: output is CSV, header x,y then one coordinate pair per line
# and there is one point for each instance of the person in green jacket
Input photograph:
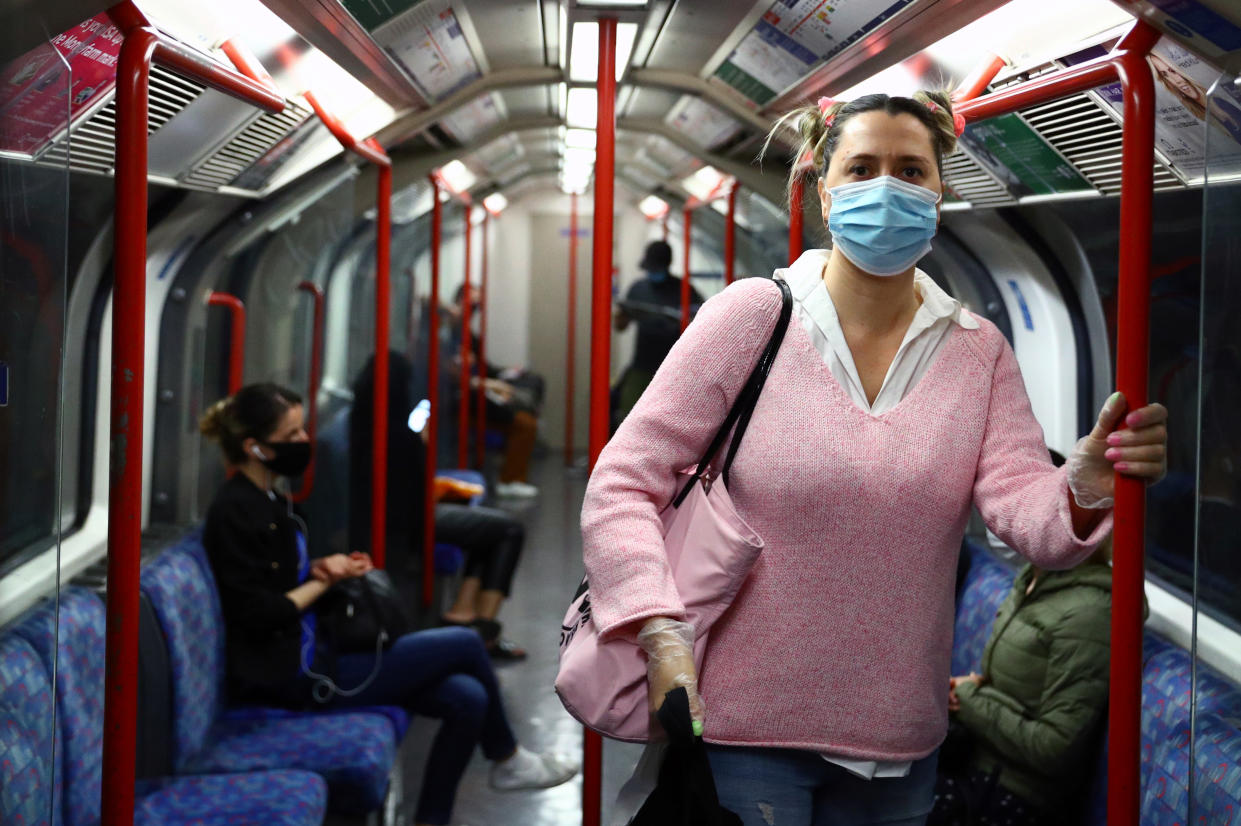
x,y
1033,718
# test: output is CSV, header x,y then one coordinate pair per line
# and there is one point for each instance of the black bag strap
x,y
743,407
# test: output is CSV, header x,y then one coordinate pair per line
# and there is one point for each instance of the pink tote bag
x,y
710,550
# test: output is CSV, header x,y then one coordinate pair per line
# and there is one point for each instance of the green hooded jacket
x,y
1038,716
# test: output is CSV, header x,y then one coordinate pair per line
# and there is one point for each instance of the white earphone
x,y
258,454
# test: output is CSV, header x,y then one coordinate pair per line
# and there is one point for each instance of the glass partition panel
x,y
1214,776
35,108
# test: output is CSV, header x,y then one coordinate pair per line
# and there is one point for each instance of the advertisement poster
x,y
1182,81
433,49
1015,154
39,96
374,13
702,122
796,35
473,119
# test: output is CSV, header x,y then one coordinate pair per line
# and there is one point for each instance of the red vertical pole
x,y
463,417
687,218
601,337
236,336
128,382
433,396
730,236
1132,373
312,393
571,328
379,443
479,426
796,200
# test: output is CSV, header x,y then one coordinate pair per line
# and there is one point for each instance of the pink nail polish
x,y
1122,467
1113,438
1132,419
1112,454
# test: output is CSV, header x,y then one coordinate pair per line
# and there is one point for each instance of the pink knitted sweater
x,y
841,637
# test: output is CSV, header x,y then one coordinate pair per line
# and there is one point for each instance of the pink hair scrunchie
x,y
826,103
958,123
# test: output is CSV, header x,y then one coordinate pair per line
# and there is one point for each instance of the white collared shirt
x,y
927,333
926,336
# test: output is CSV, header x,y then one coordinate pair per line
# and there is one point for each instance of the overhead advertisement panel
x,y
794,36
1022,161
473,119
1182,82
701,122
429,43
34,87
374,13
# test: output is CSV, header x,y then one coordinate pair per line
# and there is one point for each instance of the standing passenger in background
x,y
889,410
656,300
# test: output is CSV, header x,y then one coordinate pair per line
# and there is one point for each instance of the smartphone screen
x,y
419,415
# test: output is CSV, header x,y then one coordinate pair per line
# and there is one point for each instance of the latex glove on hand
x,y
1140,451
669,647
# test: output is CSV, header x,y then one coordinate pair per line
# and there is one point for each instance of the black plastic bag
x,y
359,610
685,794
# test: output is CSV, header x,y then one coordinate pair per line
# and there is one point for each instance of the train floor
x,y
548,575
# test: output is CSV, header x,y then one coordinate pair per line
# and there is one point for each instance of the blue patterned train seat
x,y
1216,796
1167,690
354,752
986,585
30,782
288,798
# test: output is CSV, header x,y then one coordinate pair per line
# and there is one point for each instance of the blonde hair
x,y
253,413
819,129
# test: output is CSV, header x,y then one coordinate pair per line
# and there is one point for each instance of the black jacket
x,y
252,544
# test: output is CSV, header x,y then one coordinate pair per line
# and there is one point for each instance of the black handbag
x,y
364,613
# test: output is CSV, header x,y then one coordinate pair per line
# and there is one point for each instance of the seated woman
x,y
1027,727
492,539
268,590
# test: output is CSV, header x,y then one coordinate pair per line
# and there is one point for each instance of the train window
x,y
1217,566
33,289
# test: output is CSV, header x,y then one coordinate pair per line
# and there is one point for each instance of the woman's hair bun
x,y
214,423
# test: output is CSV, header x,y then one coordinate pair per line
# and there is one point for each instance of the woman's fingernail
x,y
1113,438
697,728
1112,454
1133,420
1122,467
1114,398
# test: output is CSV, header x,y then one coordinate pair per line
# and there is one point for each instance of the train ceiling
x,y
503,86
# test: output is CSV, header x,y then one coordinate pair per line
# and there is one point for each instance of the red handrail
x,y
571,334
796,202
480,446
687,218
601,337
236,338
1126,64
143,47
976,82
433,396
312,393
730,235
463,409
370,150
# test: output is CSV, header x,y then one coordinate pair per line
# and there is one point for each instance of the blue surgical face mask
x,y
883,225
657,276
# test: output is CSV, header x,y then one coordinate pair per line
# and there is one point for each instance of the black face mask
x,y
291,459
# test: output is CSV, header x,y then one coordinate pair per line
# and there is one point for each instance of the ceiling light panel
x,y
495,203
652,206
580,138
584,57
582,108
457,176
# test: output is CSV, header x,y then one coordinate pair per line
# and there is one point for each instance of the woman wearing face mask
x,y
889,411
268,589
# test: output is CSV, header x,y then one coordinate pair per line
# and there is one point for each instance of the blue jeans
x,y
443,673
784,787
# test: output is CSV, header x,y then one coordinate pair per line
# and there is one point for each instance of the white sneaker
x,y
527,770
516,490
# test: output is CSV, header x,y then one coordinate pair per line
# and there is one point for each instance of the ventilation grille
x,y
93,147
252,143
1089,137
974,184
